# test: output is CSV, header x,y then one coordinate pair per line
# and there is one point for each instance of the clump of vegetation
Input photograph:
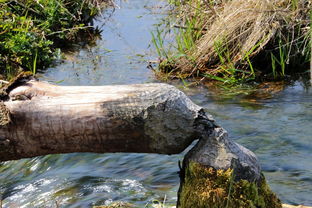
x,y
238,41
116,205
153,204
32,30
205,187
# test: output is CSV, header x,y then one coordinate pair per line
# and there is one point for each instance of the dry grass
x,y
237,32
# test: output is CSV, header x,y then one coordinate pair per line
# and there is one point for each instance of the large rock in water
x,y
217,172
217,150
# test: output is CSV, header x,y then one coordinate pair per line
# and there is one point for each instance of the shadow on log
x,y
39,118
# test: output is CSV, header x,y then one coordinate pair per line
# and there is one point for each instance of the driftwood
x,y
49,119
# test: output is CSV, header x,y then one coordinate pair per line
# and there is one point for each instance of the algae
x,y
203,187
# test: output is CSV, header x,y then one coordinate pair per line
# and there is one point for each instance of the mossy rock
x,y
205,187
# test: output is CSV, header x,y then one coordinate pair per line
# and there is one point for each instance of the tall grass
x,y
159,43
242,40
186,31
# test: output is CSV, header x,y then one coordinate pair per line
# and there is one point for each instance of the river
x,y
277,129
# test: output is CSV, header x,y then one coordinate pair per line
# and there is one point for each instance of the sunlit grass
x,y
236,41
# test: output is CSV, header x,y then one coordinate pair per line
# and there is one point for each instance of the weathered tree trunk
x,y
38,118
48,119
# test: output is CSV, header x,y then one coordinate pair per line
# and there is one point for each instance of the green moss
x,y
206,187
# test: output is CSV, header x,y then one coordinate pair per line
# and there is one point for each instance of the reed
x,y
242,40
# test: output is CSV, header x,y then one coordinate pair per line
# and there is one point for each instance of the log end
x,y
172,121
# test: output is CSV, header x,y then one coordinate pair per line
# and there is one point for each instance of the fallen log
x,y
38,118
48,119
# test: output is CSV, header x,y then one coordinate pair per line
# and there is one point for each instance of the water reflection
x,y
121,55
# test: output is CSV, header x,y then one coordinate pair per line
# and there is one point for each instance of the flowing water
x,y
278,130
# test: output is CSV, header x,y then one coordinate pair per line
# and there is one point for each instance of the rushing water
x,y
278,130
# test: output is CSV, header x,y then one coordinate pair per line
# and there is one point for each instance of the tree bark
x,y
49,119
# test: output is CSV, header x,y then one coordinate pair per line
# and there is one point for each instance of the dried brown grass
x,y
243,29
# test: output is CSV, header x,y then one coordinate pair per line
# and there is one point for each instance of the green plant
x,y
32,30
20,44
158,42
186,32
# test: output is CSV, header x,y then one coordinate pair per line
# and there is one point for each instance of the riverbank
x,y
236,42
33,32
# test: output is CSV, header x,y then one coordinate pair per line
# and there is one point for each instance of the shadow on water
x,y
278,130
